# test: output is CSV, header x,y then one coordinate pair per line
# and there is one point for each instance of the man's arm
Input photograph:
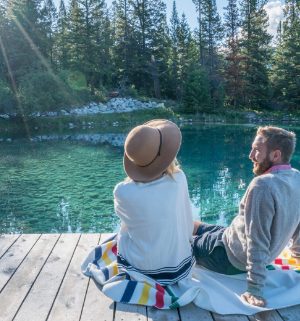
x,y
295,248
259,213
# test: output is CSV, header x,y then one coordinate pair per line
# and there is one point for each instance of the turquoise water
x,y
65,185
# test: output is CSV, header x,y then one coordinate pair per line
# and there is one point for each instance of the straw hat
x,y
150,148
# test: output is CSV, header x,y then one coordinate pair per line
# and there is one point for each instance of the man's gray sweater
x,y
269,217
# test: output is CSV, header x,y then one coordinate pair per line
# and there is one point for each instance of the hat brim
x,y
171,141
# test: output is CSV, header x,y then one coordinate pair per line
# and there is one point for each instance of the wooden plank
x,y
14,257
229,317
97,307
266,316
39,301
69,301
291,313
19,285
193,313
6,241
162,315
132,312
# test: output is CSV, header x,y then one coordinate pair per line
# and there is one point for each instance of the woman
x,y
154,206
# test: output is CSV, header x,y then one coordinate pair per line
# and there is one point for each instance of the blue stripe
x,y
106,273
163,277
98,254
128,291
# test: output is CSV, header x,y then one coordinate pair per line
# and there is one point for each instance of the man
x,y
268,218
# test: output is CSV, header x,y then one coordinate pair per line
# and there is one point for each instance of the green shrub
x,y
42,91
8,102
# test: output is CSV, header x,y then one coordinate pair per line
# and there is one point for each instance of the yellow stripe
x,y
145,294
115,269
105,256
292,261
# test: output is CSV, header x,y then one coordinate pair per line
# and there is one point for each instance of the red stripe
x,y
278,261
159,296
114,249
285,267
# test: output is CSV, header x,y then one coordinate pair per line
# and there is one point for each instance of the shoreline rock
x,y
114,105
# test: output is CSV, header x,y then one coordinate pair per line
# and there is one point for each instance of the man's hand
x,y
253,299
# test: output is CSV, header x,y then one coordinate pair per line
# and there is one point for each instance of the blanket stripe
x,y
126,285
283,263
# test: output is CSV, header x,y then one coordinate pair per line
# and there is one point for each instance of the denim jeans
x,y
209,250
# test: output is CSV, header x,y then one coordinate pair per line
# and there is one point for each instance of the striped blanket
x,y
132,287
124,285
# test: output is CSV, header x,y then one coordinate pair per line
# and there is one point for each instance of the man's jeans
x,y
209,250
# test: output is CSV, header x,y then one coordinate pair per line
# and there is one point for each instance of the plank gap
x,y
17,267
63,278
36,277
9,246
87,288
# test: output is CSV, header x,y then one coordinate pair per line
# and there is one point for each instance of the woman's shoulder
x,y
123,186
180,175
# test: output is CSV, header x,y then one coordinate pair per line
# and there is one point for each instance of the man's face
x,y
260,156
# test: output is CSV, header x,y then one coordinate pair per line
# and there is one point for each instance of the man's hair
x,y
279,138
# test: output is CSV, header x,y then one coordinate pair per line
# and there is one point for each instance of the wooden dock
x,y
40,279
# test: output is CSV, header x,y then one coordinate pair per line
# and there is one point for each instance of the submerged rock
x,y
116,140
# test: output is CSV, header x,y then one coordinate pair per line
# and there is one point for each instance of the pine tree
x,y
102,58
199,9
2,31
187,53
159,44
232,57
286,70
49,22
23,38
149,30
174,55
124,42
212,33
96,30
211,38
61,37
255,45
76,38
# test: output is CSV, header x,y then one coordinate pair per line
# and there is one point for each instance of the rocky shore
x,y
114,105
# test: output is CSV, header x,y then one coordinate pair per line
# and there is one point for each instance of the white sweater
x,y
156,227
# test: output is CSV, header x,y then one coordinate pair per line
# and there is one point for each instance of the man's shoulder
x,y
295,172
261,181
270,179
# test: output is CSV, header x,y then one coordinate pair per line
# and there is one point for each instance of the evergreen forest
x,y
81,51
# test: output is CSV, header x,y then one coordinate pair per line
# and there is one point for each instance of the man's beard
x,y
260,168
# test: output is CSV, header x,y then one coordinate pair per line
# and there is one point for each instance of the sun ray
x,y
43,60
14,87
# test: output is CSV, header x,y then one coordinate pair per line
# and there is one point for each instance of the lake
x,y
64,182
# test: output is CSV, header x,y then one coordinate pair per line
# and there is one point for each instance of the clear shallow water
x,y
66,186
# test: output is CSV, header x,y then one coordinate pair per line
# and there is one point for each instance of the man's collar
x,y
276,168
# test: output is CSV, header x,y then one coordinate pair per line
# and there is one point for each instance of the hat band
x,y
158,153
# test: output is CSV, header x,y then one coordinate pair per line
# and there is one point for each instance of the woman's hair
x,y
173,168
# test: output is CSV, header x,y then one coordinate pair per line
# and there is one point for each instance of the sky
x,y
273,8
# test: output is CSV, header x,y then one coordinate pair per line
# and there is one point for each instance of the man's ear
x,y
275,156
